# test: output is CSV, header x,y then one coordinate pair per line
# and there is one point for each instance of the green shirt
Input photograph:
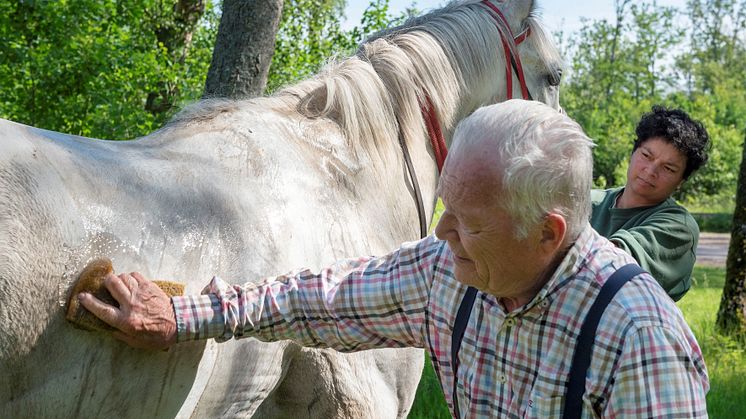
x,y
662,238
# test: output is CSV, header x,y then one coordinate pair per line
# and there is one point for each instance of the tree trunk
x,y
732,313
244,48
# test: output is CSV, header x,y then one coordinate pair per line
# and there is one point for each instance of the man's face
x,y
655,170
481,234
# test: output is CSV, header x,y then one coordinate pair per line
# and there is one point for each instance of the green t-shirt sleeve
x,y
664,244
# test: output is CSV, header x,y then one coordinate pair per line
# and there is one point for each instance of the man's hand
x,y
145,317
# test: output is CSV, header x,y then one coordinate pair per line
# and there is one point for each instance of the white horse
x,y
243,189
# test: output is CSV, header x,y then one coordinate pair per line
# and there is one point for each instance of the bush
x,y
721,222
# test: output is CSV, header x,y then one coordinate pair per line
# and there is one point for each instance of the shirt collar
x,y
572,263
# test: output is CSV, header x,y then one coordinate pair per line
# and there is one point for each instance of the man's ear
x,y
553,233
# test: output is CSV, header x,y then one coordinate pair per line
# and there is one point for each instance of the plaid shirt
x,y
646,361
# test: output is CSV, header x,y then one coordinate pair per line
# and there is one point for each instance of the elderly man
x,y
516,187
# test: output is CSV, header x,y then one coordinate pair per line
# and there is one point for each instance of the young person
x,y
641,217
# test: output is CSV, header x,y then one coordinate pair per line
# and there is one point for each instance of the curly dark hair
x,y
674,125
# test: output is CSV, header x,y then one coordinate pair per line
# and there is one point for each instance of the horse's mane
x,y
381,88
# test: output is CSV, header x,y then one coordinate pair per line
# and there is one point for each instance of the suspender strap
x,y
581,359
462,319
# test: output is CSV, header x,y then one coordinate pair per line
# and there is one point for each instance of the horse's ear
x,y
522,8
313,105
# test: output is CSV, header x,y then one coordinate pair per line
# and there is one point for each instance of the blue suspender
x,y
462,319
581,358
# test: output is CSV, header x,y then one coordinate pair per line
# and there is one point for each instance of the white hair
x,y
378,93
546,161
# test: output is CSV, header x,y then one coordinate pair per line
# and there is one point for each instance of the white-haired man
x,y
516,188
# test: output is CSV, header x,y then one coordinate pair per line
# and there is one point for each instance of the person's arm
x,y
664,245
352,305
658,375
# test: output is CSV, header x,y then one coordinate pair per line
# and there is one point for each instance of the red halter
x,y
512,62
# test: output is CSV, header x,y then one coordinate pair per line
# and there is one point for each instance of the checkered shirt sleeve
x,y
352,305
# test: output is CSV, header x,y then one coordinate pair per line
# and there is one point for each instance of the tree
x,y
174,31
310,33
119,69
731,317
718,66
616,76
244,48
714,69
616,34
620,69
102,68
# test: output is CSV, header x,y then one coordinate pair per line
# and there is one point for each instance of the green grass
x,y
429,401
725,357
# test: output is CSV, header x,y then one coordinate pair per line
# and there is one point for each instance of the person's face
x,y
655,170
481,234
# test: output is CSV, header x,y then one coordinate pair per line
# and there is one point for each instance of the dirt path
x,y
713,249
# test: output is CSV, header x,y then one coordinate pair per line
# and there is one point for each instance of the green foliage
x,y
719,222
725,356
616,75
310,33
86,67
619,69
104,68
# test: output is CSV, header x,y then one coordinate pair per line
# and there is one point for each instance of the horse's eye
x,y
554,77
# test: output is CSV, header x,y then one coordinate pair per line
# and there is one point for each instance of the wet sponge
x,y
91,280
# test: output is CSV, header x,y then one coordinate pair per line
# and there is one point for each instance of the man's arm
x,y
352,305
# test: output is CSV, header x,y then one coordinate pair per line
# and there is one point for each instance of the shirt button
x,y
502,378
544,304
510,322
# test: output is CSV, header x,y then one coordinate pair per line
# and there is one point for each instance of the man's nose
x,y
652,169
444,226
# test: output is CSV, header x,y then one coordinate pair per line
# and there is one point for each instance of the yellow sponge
x,y
91,280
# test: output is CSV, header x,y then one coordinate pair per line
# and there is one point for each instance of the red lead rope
x,y
511,56
512,60
435,134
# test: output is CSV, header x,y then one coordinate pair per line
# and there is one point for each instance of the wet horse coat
x,y
240,189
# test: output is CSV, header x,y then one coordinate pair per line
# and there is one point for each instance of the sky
x,y
556,14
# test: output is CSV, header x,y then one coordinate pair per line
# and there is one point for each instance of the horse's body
x,y
240,190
